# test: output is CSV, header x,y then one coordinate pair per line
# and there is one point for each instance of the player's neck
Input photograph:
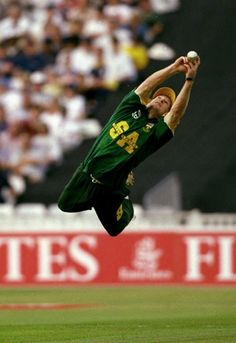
x,y
153,113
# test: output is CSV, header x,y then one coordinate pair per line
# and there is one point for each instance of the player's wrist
x,y
189,79
173,69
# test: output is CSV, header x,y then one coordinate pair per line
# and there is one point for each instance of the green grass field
x,y
121,314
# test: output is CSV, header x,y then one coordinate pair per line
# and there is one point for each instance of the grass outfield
x,y
121,314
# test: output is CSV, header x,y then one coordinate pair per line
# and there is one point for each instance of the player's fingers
x,y
180,60
187,66
198,60
192,64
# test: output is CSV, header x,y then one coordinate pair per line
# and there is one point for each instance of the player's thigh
x,y
77,194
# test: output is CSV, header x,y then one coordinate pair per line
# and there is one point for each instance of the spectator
x,y
137,52
15,24
96,25
3,121
119,66
52,85
37,82
83,58
75,112
147,23
12,101
53,118
33,156
73,102
163,6
117,10
71,33
6,191
30,58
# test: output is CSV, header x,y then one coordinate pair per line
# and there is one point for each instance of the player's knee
x,y
114,232
64,206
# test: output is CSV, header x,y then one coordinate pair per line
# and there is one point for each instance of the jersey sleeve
x,y
131,102
162,133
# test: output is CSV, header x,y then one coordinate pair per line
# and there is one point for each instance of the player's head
x,y
162,101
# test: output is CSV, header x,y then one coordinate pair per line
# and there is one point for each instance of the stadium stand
x,y
203,152
40,218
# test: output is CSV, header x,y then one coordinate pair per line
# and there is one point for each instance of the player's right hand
x,y
180,64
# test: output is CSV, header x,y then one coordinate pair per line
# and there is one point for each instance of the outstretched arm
x,y
148,87
178,109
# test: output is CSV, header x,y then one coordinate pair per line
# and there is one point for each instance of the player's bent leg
x,y
68,203
124,215
77,194
115,214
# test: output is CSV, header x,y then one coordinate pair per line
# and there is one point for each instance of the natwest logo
x,y
48,259
145,264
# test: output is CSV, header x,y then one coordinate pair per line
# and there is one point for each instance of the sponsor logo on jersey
x,y
148,127
136,114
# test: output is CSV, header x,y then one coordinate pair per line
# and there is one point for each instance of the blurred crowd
x,y
59,60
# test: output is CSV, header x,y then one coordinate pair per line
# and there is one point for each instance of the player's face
x,y
161,104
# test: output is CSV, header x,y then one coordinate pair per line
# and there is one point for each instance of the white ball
x,y
192,55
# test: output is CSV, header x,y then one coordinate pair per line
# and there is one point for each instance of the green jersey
x,y
127,139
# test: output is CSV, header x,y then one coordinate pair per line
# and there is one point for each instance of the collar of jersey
x,y
150,120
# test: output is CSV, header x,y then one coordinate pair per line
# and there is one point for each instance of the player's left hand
x,y
192,67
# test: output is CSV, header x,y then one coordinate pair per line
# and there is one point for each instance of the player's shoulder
x,y
144,100
132,95
130,99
